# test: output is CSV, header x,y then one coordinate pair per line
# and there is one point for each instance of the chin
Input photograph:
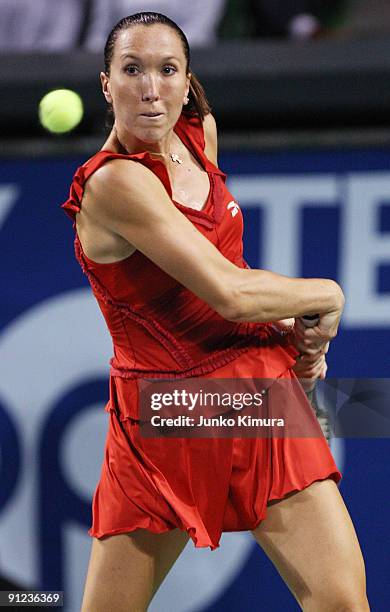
x,y
152,135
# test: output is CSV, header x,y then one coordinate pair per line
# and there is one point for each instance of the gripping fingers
x,y
312,352
316,370
307,341
306,367
308,376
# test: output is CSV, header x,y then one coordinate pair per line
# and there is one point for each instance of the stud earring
x,y
186,100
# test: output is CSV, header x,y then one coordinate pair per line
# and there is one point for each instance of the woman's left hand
x,y
309,369
311,364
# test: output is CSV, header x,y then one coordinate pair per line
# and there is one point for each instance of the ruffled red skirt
x,y
202,486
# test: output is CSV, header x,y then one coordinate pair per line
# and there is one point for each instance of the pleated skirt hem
x,y
206,488
200,542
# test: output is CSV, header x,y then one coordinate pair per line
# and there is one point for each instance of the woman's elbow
x,y
231,299
230,306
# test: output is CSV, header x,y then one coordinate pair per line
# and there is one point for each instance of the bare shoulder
x,y
211,138
122,188
99,240
113,174
118,194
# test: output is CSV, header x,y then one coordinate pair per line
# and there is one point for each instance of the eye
x,y
132,69
169,70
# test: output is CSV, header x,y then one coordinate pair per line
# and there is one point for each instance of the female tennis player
x,y
159,237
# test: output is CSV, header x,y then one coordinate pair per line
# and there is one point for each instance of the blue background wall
x,y
340,205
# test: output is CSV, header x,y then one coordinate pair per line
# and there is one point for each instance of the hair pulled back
x,y
198,103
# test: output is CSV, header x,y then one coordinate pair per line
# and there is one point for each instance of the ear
x,y
105,81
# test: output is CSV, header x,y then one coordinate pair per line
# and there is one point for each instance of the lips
x,y
151,114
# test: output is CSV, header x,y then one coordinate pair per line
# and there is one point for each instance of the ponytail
x,y
198,103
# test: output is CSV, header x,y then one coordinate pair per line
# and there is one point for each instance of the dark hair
x,y
198,103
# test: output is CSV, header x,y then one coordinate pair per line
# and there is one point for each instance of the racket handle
x,y
310,320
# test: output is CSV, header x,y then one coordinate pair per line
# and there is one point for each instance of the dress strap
x,y
189,128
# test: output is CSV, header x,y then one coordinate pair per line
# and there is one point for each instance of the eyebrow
x,y
167,58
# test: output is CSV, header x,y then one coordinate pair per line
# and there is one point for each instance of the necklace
x,y
174,157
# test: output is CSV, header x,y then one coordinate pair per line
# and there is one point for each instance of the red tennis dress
x,y
160,329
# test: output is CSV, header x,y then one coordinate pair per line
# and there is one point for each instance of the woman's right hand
x,y
327,326
328,323
314,340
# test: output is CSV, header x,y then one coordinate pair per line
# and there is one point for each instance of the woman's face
x,y
148,82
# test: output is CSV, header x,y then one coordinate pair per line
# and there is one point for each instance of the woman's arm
x,y
325,324
130,201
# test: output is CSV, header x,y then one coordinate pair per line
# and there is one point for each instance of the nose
x,y
149,88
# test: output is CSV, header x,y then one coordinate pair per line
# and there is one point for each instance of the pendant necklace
x,y
174,156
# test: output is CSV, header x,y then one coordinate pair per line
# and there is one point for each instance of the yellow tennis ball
x,y
60,110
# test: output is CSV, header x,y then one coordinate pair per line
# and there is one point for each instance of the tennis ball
x,y
60,110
